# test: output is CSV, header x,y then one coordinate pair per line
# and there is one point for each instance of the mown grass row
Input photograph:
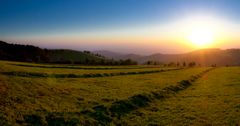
x,y
83,68
106,114
89,75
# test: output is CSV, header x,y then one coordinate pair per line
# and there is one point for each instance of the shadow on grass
x,y
83,68
89,75
52,119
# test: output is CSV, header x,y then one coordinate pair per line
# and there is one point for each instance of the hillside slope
x,y
71,56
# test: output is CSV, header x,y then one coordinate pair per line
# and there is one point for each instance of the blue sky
x,y
26,18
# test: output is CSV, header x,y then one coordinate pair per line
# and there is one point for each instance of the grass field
x,y
44,94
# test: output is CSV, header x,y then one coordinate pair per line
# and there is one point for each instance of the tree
x,y
172,64
192,64
178,64
184,64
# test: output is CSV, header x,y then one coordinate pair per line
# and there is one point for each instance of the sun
x,y
201,37
202,31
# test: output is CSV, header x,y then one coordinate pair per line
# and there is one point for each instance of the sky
x,y
128,26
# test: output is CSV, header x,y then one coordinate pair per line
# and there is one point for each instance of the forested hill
x,y
28,53
16,52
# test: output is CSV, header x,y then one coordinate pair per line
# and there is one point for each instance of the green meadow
x,y
59,95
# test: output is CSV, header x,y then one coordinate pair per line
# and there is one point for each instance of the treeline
x,y
28,53
118,62
99,62
174,64
94,54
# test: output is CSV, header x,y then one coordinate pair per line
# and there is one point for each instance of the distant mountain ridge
x,y
206,57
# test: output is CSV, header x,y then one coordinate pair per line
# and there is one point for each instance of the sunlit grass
x,y
85,101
